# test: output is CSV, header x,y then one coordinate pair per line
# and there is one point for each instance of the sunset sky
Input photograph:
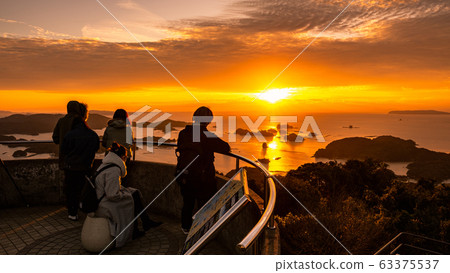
x,y
376,57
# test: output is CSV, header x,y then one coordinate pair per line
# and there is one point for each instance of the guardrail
x,y
266,220
398,242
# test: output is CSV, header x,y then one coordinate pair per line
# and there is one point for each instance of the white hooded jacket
x,y
117,204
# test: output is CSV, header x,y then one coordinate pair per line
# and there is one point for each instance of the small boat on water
x,y
350,127
277,158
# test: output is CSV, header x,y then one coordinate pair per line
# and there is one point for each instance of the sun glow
x,y
273,145
274,95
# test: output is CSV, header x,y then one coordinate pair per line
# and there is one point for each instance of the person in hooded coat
x,y
118,203
119,130
64,125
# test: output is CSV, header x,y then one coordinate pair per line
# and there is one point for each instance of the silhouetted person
x,y
84,112
198,183
64,125
79,147
118,203
119,130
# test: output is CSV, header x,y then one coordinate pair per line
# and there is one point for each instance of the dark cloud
x,y
379,41
313,15
80,64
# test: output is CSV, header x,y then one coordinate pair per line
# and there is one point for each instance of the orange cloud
x,y
397,50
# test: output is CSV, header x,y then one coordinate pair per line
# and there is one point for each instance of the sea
x,y
428,131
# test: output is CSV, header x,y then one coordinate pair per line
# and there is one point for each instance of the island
x,y
271,133
424,163
419,112
35,124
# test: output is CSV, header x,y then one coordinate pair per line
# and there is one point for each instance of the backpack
x,y
88,198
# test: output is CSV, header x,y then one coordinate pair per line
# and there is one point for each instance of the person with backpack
x,y
118,203
196,147
79,147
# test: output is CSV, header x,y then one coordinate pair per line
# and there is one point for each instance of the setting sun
x,y
273,145
274,95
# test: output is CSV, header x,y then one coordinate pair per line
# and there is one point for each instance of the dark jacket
x,y
64,125
79,147
200,179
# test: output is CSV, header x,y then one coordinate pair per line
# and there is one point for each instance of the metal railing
x,y
266,220
406,240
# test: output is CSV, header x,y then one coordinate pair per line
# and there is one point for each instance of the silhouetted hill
x,y
105,113
384,148
419,112
7,138
425,164
4,113
162,125
41,123
44,123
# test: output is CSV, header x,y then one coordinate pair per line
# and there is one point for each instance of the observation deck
x,y
34,218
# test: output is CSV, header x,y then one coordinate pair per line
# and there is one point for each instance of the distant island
x,y
270,133
41,123
419,112
384,148
425,163
35,124
35,148
162,126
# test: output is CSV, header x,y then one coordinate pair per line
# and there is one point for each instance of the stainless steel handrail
x,y
403,234
269,203
267,216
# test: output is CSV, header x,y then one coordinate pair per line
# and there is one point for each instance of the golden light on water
x,y
273,145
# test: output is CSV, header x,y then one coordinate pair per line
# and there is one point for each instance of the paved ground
x,y
46,230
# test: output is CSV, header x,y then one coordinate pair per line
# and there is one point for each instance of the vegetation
x,y
362,203
438,170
